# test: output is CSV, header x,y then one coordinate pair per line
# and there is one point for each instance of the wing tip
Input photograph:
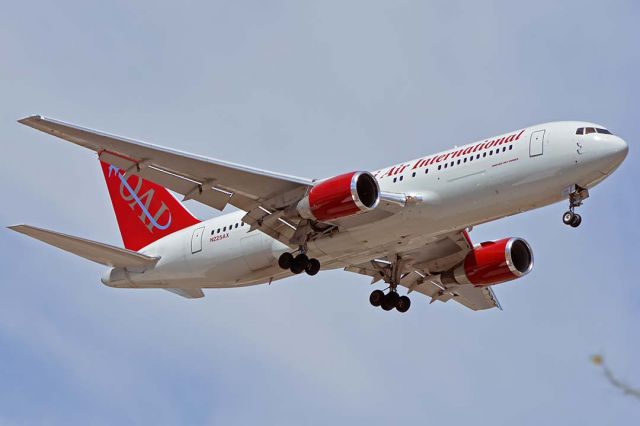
x,y
31,118
27,121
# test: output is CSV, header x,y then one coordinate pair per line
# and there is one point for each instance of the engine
x,y
494,262
340,196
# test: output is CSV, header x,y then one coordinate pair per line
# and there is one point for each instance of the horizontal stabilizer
x,y
189,293
97,252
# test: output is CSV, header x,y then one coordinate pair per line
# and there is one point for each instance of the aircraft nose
x,y
616,150
619,148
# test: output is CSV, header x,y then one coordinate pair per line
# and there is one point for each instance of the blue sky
x,y
313,89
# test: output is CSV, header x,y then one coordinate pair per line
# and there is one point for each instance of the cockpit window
x,y
587,130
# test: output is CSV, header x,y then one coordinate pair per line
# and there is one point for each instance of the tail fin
x,y
145,211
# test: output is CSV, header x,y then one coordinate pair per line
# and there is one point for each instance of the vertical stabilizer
x,y
145,211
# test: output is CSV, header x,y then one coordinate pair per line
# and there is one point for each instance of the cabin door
x,y
536,143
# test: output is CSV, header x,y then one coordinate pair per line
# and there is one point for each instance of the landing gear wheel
x,y
568,217
285,260
577,220
313,267
403,304
390,300
300,263
296,269
376,297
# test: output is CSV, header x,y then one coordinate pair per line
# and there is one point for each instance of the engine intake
x,y
495,262
340,196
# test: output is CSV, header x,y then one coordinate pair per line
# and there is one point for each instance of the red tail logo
x,y
145,211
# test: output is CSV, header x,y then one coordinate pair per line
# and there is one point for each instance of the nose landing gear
x,y
299,264
572,219
577,195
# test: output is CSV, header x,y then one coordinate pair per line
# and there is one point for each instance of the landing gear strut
x,y
577,195
299,264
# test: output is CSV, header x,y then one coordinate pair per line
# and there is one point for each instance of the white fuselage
x,y
482,181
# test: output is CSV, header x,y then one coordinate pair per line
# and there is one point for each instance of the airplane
x,y
406,225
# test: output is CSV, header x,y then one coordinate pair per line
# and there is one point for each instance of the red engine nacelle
x,y
495,262
340,196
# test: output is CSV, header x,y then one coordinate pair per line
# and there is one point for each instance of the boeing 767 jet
x,y
405,225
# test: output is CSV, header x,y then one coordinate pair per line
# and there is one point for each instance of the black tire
x,y
403,304
577,220
568,217
296,269
285,260
313,267
376,297
301,260
300,263
389,301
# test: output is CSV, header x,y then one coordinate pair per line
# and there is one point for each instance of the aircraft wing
x,y
267,197
104,254
212,182
420,272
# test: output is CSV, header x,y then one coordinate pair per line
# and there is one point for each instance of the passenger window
x,y
458,161
218,231
471,158
213,231
445,165
401,178
236,225
465,160
413,174
491,152
504,148
224,229
452,163
580,131
439,166
395,180
484,154
589,130
241,223
426,171
477,156
510,147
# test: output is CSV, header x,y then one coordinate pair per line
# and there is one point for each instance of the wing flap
x,y
104,254
187,293
476,298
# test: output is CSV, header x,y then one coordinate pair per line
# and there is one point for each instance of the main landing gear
x,y
391,272
390,300
299,264
576,197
